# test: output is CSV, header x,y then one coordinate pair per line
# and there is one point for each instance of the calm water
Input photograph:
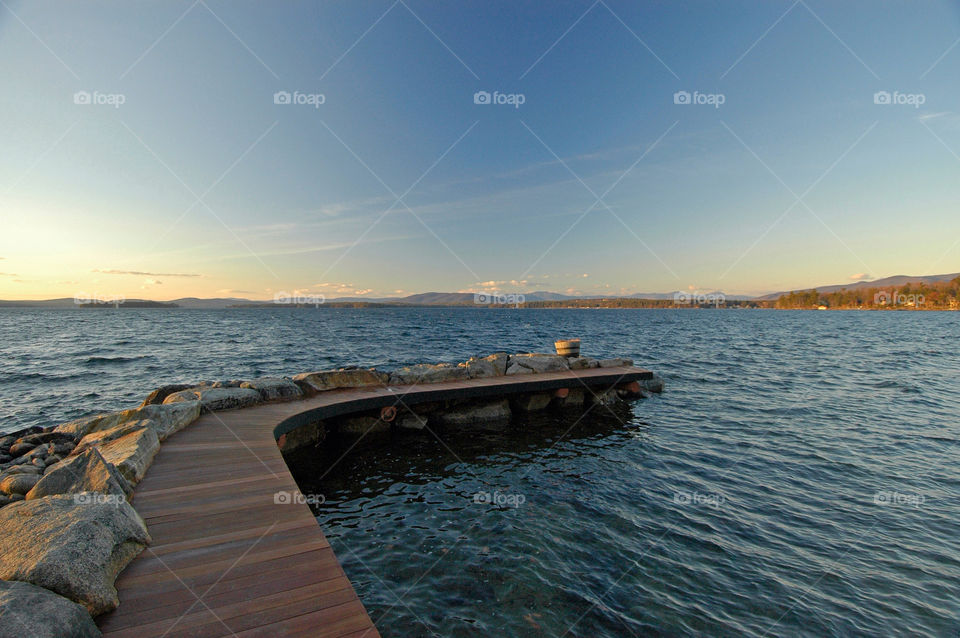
x,y
799,476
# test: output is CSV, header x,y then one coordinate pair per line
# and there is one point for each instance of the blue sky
x,y
599,182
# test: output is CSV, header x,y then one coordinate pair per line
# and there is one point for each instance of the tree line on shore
x,y
920,296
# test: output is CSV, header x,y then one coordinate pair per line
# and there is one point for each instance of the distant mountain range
x,y
886,282
467,298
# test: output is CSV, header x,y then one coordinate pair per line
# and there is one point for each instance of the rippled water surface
x,y
799,475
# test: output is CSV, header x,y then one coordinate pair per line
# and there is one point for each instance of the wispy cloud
x,y
141,273
859,276
8,274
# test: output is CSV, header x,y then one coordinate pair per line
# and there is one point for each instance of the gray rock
x,y
23,468
343,378
157,396
132,454
494,365
95,439
87,472
426,373
540,362
18,483
30,611
516,368
70,547
169,419
477,413
214,399
274,388
615,362
231,383
166,420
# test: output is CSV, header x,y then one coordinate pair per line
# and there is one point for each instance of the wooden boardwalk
x,y
226,559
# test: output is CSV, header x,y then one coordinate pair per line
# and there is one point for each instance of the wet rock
x,y
411,421
575,398
87,472
540,362
21,447
10,438
213,399
531,402
494,365
362,425
28,610
157,396
75,549
427,373
274,388
18,483
132,454
342,378
604,397
477,413
304,436
653,385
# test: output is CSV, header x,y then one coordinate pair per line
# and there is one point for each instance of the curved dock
x,y
226,559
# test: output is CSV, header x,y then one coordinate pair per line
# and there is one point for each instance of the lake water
x,y
799,475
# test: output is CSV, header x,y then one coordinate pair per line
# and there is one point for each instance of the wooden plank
x,y
260,568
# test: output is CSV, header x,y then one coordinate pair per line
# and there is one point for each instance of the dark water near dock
x,y
799,476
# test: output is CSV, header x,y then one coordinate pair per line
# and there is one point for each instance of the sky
x,y
170,149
